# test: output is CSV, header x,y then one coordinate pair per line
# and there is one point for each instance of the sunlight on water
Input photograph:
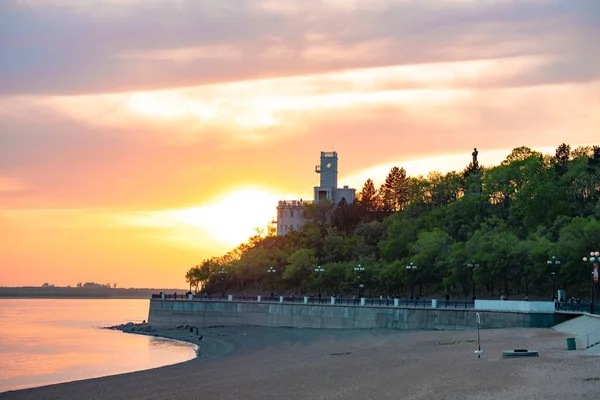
x,y
45,341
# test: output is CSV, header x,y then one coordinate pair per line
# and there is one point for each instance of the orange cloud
x,y
11,185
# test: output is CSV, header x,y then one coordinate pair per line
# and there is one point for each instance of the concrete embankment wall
x,y
170,313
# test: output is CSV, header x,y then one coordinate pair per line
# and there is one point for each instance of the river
x,y
45,341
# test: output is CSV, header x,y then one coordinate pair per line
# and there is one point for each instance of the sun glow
x,y
232,219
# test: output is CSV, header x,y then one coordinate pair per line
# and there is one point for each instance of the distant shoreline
x,y
72,297
79,293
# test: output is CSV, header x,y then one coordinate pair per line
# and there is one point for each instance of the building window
x,y
291,213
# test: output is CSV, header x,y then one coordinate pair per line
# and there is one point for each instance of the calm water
x,y
46,341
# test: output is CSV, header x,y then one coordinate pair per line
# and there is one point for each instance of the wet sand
x,y
285,363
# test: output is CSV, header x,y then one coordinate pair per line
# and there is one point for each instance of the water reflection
x,y
51,341
168,343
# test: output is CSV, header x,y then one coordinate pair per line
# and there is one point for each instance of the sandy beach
x,y
285,363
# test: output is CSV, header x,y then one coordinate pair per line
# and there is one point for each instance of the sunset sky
x,y
138,137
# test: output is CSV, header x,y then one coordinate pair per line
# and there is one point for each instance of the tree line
x,y
520,228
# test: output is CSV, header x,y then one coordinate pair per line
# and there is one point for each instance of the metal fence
x,y
578,307
170,296
589,339
456,304
424,303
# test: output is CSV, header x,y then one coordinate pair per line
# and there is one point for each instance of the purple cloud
x,y
80,47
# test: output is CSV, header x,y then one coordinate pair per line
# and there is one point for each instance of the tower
x,y
290,213
328,169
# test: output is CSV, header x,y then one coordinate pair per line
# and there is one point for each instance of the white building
x,y
289,216
290,212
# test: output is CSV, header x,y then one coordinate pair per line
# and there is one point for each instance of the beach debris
x,y
455,342
593,379
340,354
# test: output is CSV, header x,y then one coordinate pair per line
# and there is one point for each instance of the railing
x,y
589,339
170,296
456,304
577,307
293,203
425,303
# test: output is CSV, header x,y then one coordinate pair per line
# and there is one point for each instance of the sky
x,y
138,137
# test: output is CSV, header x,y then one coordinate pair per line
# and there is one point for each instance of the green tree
x,y
393,193
198,275
300,265
401,233
345,216
367,199
561,159
430,252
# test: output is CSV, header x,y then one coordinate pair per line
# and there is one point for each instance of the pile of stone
x,y
131,327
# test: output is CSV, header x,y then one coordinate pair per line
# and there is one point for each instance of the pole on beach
x,y
478,351
222,273
319,270
411,267
594,258
271,271
358,270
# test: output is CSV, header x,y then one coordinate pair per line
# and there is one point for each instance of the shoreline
x,y
274,363
190,335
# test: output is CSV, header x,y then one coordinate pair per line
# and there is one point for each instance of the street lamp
x,y
472,266
271,271
318,270
410,267
556,263
594,260
358,270
222,273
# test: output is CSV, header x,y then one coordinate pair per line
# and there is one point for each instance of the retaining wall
x,y
170,313
512,305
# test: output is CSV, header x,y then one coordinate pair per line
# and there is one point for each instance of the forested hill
x,y
484,230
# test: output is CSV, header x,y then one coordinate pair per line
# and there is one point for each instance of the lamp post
x,y
554,264
594,260
222,273
271,271
472,266
411,267
358,270
318,270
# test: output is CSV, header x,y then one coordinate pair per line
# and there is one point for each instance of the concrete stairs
x,y
586,330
